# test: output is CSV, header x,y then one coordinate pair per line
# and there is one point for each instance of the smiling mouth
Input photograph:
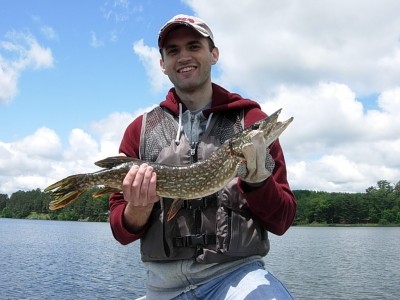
x,y
186,69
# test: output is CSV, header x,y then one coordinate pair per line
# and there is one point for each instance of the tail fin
x,y
65,200
65,191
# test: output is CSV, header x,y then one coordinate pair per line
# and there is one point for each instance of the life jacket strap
x,y
208,201
195,240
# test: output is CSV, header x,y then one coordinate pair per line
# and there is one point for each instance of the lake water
x,y
81,260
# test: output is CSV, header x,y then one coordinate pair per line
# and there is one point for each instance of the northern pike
x,y
183,182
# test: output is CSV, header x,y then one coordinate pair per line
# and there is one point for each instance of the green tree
x,y
3,201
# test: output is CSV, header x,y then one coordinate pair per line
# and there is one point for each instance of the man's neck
x,y
196,99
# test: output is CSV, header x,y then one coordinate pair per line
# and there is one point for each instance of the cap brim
x,y
164,31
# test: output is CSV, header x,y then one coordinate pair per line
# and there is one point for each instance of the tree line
x,y
379,204
35,205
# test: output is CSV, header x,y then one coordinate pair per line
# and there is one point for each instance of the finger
x,y
138,190
144,188
127,182
152,192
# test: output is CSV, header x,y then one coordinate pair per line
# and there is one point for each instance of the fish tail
x,y
65,200
66,191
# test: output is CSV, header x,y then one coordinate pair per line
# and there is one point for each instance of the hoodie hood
x,y
222,100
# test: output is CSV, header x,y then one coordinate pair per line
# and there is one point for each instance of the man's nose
x,y
184,56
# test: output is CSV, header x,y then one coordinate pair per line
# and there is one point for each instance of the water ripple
x,y
81,260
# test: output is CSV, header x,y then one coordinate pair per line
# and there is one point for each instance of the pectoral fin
x,y
173,210
104,191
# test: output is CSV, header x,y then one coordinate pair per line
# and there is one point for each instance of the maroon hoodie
x,y
273,203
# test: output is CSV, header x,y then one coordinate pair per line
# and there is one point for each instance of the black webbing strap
x,y
208,201
195,240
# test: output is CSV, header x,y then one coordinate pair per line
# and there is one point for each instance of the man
x,y
213,247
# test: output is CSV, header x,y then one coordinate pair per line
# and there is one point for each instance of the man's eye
x,y
171,51
194,47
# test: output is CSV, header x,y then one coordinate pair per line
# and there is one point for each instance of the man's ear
x,y
215,55
162,65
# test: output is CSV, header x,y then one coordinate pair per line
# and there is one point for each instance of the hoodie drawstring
x,y
178,134
209,120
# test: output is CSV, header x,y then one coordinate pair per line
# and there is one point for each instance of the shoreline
x,y
45,217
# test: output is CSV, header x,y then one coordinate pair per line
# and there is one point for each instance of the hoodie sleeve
x,y
130,147
273,203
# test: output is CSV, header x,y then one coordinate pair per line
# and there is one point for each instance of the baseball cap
x,y
193,22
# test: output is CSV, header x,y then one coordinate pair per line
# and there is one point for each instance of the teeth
x,y
187,69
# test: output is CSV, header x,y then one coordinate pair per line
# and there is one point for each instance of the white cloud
x,y
25,163
43,143
95,42
8,81
110,131
49,32
334,143
37,160
389,100
20,51
268,43
119,10
150,58
118,13
82,146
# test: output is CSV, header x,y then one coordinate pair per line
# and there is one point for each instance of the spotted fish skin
x,y
187,182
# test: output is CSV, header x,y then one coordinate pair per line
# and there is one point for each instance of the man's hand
x,y
139,186
139,189
259,162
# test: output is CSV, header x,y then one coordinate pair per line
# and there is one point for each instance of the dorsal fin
x,y
113,161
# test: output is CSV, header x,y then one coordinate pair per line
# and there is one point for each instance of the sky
x,y
74,74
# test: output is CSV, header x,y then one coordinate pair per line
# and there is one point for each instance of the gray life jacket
x,y
216,228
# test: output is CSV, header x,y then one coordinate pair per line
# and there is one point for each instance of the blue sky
x,y
94,70
73,74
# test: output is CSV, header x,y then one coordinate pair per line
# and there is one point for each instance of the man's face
x,y
187,59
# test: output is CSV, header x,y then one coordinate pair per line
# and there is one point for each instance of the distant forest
x,y
379,204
